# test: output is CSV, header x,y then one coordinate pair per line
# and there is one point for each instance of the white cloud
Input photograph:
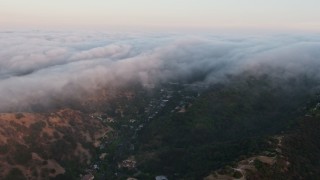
x,y
38,66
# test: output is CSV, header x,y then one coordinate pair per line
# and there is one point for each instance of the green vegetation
x,y
302,147
15,174
21,153
226,122
186,133
19,115
37,126
237,175
4,149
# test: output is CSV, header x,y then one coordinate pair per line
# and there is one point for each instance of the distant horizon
x,y
160,30
167,15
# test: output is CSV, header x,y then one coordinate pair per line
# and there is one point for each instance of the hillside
x,y
44,145
225,123
246,127
186,131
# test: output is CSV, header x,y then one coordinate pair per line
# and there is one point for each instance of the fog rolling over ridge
x,y
39,67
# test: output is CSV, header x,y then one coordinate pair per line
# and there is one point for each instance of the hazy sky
x,y
261,14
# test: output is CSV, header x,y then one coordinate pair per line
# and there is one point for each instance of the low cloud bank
x,y
39,66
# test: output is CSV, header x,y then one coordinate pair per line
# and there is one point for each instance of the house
x,y
96,167
161,178
88,177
